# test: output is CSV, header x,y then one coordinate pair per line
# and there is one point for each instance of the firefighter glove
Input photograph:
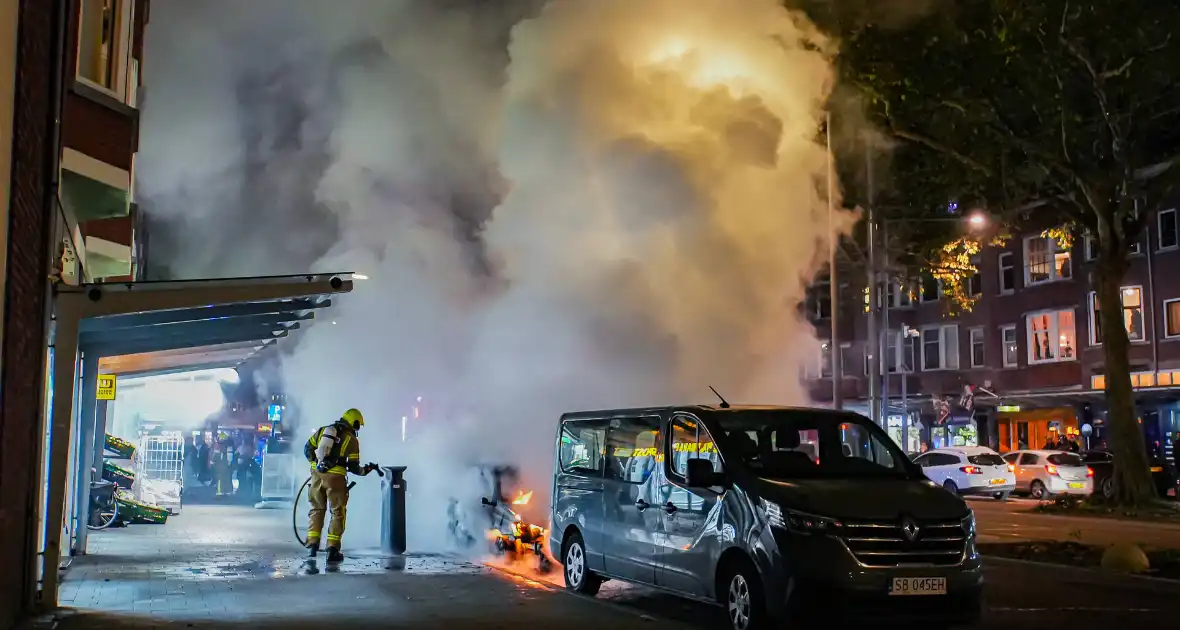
x,y
322,467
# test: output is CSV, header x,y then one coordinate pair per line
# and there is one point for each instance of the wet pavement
x,y
228,568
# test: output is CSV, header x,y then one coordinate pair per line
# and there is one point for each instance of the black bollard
x,y
393,512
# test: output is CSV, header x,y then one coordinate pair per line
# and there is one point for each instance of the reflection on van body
x,y
770,511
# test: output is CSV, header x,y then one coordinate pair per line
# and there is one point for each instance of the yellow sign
x,y
106,387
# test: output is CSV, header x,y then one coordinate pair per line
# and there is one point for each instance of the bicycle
x,y
104,507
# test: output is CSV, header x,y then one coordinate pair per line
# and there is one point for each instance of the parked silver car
x,y
1043,474
774,513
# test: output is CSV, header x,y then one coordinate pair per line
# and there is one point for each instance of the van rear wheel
x,y
578,578
744,604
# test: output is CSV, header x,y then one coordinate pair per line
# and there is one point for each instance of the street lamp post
x,y
907,335
833,283
879,342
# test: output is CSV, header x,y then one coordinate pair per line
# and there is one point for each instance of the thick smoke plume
x,y
568,205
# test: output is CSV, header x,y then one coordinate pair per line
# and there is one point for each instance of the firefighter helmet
x,y
353,418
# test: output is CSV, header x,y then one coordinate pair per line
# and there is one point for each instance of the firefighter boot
x,y
313,549
334,555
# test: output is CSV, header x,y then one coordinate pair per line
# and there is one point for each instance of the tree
x,y
1053,115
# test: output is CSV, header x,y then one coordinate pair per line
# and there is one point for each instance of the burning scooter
x,y
509,532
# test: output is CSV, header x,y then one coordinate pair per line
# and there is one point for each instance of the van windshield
x,y
798,445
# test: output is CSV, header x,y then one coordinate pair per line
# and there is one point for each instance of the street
x,y
1016,519
221,568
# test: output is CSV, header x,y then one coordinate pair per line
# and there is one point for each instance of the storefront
x,y
1024,429
894,426
957,430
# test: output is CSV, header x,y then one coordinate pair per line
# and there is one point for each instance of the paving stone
x,y
236,567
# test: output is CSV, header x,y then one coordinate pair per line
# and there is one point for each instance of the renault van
x,y
775,513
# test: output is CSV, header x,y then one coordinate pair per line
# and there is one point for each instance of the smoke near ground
x,y
576,204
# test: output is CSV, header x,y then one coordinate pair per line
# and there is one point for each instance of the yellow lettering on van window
x,y
622,452
693,447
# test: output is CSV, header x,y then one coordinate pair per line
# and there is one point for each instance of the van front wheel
x,y
578,578
744,605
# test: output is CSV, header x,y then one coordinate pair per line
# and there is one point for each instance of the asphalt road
x,y
223,569
1016,519
1019,596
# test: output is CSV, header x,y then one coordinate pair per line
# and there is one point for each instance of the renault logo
x,y
910,529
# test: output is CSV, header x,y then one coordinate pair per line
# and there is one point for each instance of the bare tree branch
x,y
936,146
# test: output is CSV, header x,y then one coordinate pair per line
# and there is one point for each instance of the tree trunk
x,y
1132,474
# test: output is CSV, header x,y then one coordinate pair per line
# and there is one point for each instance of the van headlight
x,y
798,522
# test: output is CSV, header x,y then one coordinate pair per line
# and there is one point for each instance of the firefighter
x,y
333,452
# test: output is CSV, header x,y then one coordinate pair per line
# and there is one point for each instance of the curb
x,y
1089,570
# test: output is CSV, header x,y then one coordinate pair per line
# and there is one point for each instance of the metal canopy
x,y
192,338
145,328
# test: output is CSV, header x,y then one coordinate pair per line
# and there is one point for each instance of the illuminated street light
x,y
977,220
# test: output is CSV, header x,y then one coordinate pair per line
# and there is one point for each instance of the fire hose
x,y
299,495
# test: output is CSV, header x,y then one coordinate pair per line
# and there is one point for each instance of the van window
x,y
690,440
632,445
791,444
582,446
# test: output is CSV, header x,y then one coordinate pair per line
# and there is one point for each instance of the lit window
x,y
1051,337
101,51
1132,315
1172,318
1045,261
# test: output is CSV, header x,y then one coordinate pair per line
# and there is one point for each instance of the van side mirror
x,y
701,474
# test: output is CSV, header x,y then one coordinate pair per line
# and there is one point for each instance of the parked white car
x,y
1043,474
969,470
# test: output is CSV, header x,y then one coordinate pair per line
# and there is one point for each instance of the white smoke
x,y
619,205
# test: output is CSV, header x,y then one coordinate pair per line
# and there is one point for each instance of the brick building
x,y
99,138
1030,350
69,78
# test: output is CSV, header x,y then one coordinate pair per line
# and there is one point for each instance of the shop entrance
x,y
107,333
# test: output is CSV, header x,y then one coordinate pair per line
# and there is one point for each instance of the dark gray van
x,y
775,513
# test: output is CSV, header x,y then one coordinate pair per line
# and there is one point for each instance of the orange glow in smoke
x,y
523,498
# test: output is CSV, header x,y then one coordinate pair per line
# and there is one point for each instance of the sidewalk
x,y
221,567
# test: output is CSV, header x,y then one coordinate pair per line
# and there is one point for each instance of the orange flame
x,y
523,498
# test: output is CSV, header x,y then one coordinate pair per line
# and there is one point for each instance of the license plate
x,y
917,586
997,482
1077,485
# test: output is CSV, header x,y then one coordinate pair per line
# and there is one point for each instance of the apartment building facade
x,y
99,141
1026,362
68,136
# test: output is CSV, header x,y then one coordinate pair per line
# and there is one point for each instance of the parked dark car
x,y
1102,463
